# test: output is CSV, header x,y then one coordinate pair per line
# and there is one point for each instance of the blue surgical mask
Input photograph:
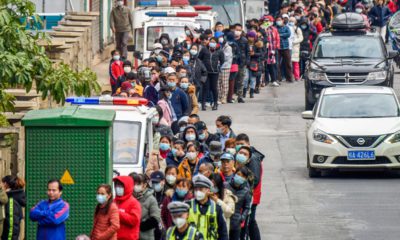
x,y
181,129
238,180
202,136
291,24
119,191
157,187
240,158
213,45
101,199
116,57
174,152
190,137
238,147
184,86
171,84
181,192
186,58
164,146
159,59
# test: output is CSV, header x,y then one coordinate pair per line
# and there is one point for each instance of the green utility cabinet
x,y
73,145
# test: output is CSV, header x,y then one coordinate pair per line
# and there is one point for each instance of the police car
x,y
132,137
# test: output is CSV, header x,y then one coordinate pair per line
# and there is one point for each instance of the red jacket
x,y
277,38
129,211
257,189
115,71
392,6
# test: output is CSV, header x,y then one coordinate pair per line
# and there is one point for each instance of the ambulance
x,y
132,137
206,18
153,18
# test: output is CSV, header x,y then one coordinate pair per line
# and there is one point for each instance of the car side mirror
x,y
307,115
138,55
392,54
305,55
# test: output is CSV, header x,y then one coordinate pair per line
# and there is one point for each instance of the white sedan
x,y
356,127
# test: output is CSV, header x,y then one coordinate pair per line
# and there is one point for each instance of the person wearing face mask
x,y
233,72
182,229
150,91
298,38
223,78
116,70
189,163
361,10
198,71
157,180
157,160
182,193
239,187
150,212
205,214
106,216
165,41
223,197
171,174
189,134
255,65
121,24
254,164
157,48
129,208
305,44
212,156
205,137
284,57
243,60
224,131
190,91
164,102
127,67
272,44
227,168
179,99
213,58
177,153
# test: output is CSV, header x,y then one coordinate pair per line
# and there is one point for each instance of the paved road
x,y
342,206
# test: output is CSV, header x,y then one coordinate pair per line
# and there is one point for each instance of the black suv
x,y
347,55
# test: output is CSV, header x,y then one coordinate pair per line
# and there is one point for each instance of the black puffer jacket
x,y
18,201
212,59
198,71
258,55
243,204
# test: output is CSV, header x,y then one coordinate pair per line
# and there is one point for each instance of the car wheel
x,y
312,172
309,106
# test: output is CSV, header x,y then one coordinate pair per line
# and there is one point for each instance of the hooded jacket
x,y
243,204
14,214
150,214
212,59
129,211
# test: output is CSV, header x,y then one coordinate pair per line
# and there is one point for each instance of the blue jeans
x,y
250,79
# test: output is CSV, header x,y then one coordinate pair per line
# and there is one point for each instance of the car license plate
x,y
361,155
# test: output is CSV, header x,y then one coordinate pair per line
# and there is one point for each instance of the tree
x,y
24,63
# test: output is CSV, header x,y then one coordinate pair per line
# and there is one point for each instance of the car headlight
x,y
381,75
323,137
394,138
317,76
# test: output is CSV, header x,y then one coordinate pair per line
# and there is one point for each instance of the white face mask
x,y
127,69
179,222
120,3
157,51
191,155
199,195
170,179
358,10
138,188
238,33
119,191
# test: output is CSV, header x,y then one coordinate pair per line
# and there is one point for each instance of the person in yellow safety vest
x,y
204,213
182,230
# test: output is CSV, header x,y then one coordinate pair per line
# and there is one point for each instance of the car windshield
x,y
358,106
349,47
126,142
229,11
154,33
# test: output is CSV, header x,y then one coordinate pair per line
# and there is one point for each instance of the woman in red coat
x,y
129,208
106,217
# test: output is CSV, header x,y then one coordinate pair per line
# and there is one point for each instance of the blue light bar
x,y
147,3
83,100
157,14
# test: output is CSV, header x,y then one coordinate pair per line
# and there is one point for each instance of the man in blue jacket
x,y
285,57
51,214
379,16
179,99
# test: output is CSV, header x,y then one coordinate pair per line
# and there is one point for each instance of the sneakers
x,y
275,84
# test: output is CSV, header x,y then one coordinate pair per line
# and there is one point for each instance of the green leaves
x,y
24,63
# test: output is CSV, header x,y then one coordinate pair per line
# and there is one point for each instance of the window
x,y
139,39
349,47
204,23
229,11
359,106
126,142
154,33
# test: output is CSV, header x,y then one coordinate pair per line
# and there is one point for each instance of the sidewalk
x,y
101,70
